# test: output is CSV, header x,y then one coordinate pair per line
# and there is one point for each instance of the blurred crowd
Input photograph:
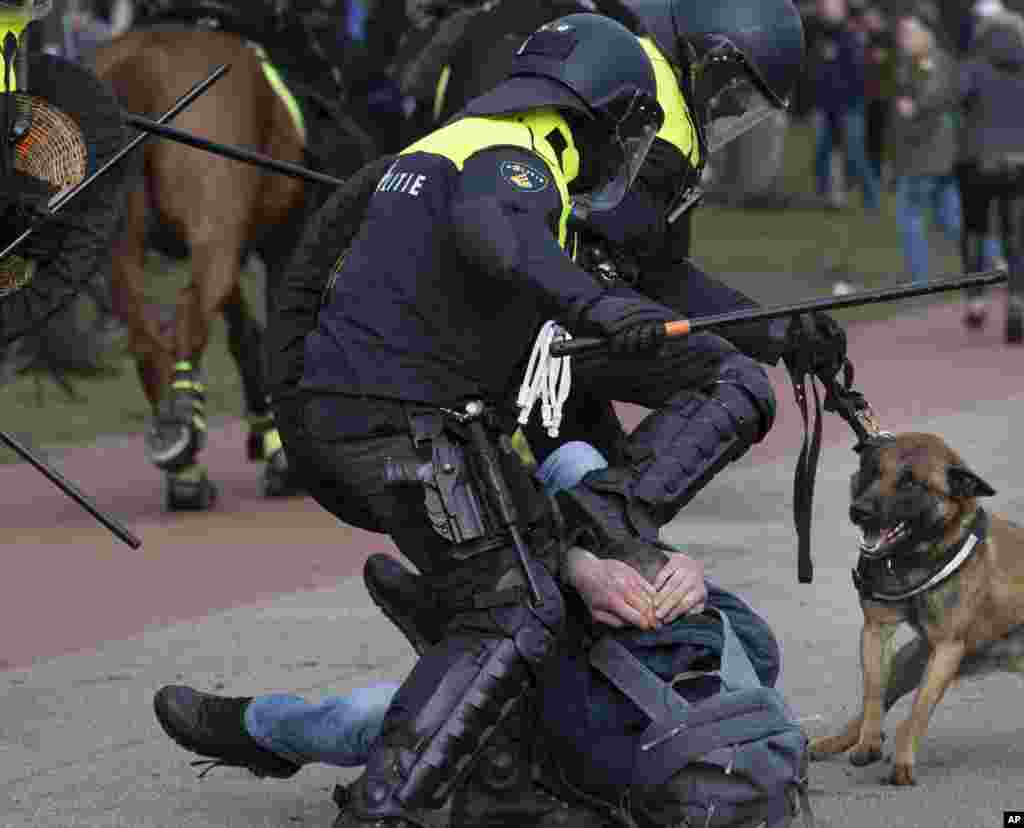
x,y
928,107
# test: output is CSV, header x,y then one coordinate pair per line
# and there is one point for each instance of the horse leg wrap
x,y
178,432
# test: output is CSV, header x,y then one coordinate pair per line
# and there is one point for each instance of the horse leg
x,y
153,351
179,434
246,343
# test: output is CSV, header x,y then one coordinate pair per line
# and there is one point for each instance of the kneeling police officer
x,y
459,260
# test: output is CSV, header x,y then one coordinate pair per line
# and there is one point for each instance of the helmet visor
x,y
734,110
731,99
634,132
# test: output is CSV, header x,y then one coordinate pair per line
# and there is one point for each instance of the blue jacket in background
x,y
836,64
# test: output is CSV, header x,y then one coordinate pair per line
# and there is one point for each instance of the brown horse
x,y
220,210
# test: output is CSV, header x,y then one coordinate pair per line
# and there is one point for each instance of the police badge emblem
x,y
523,176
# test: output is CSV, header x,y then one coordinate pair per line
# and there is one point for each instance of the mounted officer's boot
x,y
618,511
214,726
973,255
176,437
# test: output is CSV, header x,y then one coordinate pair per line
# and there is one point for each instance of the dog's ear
x,y
965,483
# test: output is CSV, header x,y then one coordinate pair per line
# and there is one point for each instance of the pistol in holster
x,y
459,503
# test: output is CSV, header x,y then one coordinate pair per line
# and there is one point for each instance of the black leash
x,y
842,399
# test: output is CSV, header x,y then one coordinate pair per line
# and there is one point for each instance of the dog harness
x,y
896,577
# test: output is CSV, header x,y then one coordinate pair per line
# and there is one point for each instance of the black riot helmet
x,y
595,70
737,62
740,58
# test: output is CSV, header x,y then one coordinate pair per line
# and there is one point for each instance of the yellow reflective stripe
x,y
188,385
282,91
440,91
678,128
183,365
198,423
271,442
192,474
467,136
14,22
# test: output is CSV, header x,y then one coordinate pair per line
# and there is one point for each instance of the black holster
x,y
459,503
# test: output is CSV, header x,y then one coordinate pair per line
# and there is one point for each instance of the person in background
x,y
880,82
975,20
837,70
923,142
991,86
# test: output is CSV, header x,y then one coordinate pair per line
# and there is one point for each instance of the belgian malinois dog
x,y
932,557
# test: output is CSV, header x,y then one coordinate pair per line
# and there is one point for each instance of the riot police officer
x,y
457,262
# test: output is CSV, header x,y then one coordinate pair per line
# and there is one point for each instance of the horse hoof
x,y
192,491
279,479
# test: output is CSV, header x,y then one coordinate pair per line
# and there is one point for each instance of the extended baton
x,y
683,327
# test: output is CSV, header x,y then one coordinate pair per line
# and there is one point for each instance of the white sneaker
x,y
843,289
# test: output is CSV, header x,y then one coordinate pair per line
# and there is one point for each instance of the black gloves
x,y
633,324
816,344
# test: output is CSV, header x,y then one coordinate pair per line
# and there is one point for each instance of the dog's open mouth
x,y
873,541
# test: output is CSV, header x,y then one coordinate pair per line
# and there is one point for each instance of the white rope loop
x,y
547,378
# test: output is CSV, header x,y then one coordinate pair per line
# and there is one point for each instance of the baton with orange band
x,y
684,327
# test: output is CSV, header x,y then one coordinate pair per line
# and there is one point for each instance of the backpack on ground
x,y
733,758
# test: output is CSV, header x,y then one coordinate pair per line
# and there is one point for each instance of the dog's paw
x,y
862,755
820,748
902,774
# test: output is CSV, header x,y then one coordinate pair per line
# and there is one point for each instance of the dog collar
x,y
896,579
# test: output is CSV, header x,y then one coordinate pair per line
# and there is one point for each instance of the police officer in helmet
x,y
457,263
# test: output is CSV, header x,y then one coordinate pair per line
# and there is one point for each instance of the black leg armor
x,y
675,451
458,695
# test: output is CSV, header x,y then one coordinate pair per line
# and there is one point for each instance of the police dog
x,y
933,558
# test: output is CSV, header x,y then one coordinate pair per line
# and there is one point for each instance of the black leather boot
x,y
214,726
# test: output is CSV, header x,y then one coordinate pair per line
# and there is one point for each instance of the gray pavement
x,y
79,745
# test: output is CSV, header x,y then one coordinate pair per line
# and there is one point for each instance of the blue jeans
x,y
851,124
340,730
917,196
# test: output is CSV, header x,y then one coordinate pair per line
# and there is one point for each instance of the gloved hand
x,y
816,343
633,325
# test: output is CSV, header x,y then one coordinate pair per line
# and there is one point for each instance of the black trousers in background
x,y
982,188
877,119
